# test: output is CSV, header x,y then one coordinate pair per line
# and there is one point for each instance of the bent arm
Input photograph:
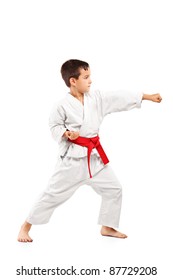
x,y
57,123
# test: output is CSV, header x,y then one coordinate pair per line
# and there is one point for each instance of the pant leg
x,y
68,176
107,185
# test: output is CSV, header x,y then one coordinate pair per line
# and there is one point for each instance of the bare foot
x,y
23,233
107,231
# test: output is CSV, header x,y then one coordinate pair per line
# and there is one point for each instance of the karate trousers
x,y
69,175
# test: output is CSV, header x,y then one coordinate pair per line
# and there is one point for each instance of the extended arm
x,y
123,100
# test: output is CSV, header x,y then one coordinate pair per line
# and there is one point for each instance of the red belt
x,y
91,143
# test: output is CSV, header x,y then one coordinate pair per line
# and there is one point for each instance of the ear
x,y
72,81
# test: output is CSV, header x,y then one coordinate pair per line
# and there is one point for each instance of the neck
x,y
77,95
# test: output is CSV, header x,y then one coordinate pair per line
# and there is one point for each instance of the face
x,y
83,83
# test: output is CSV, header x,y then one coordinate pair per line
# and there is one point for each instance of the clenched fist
x,y
153,97
156,97
72,135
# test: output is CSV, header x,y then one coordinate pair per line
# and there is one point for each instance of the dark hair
x,y
71,69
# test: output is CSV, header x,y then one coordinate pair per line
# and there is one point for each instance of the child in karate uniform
x,y
74,124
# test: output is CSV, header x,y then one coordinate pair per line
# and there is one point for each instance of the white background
x,y
128,45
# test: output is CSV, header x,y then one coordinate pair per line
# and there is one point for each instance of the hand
x,y
72,135
156,98
152,97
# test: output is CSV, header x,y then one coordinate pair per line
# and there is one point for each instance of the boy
x,y
74,124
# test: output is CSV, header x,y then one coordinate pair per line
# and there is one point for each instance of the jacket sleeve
x,y
57,123
120,100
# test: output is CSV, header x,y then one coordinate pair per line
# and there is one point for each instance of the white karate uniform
x,y
71,170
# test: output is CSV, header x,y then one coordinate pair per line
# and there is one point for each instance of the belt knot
x,y
90,144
